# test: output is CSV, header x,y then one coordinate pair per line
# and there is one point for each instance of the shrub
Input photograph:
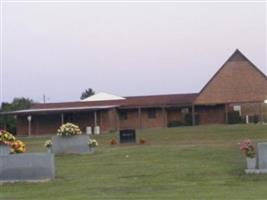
x,y
188,119
175,124
234,117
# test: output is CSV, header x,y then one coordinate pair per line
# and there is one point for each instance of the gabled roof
x,y
238,80
102,96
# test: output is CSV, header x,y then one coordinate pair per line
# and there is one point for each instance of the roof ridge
x,y
154,95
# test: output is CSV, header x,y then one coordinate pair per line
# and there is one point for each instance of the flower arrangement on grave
x,y
48,143
16,146
248,148
68,129
113,141
6,137
142,141
92,143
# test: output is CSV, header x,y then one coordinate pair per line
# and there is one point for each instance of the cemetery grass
x,y
202,162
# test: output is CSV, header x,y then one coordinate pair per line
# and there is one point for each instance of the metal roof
x,y
102,96
45,110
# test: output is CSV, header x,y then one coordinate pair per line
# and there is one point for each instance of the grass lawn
x,y
202,162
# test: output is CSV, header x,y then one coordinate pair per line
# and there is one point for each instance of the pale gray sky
x,y
60,49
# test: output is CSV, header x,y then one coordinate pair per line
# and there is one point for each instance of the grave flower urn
x,y
251,163
249,151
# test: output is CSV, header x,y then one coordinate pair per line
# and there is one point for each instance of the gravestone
x,y
27,167
77,144
127,136
262,156
4,150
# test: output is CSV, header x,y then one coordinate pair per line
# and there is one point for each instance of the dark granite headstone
x,y
127,136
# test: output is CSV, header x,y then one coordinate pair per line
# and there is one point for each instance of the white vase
x,y
92,149
49,150
251,163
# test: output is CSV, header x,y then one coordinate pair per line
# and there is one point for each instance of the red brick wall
x,y
132,120
211,114
248,108
45,124
108,120
40,124
174,115
49,123
84,119
157,122
22,125
252,109
237,81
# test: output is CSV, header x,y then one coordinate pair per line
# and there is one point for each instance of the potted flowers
x,y
113,141
48,145
92,143
142,141
249,151
68,129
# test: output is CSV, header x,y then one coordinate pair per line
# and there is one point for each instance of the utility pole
x,y
44,98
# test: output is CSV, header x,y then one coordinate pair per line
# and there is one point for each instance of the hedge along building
x,y
237,91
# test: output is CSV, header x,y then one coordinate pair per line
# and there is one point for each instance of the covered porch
x,y
94,119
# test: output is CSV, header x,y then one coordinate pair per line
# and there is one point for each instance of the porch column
x,y
62,118
193,115
110,127
140,117
29,118
117,120
4,117
164,116
95,118
226,113
261,111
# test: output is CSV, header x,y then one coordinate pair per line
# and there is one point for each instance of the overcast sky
x,y
60,49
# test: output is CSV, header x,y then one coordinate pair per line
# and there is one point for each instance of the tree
x,y
17,104
87,93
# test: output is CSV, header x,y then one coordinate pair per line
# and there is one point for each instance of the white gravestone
x,y
262,155
27,167
77,144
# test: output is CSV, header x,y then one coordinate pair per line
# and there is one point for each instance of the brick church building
x,y
235,94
